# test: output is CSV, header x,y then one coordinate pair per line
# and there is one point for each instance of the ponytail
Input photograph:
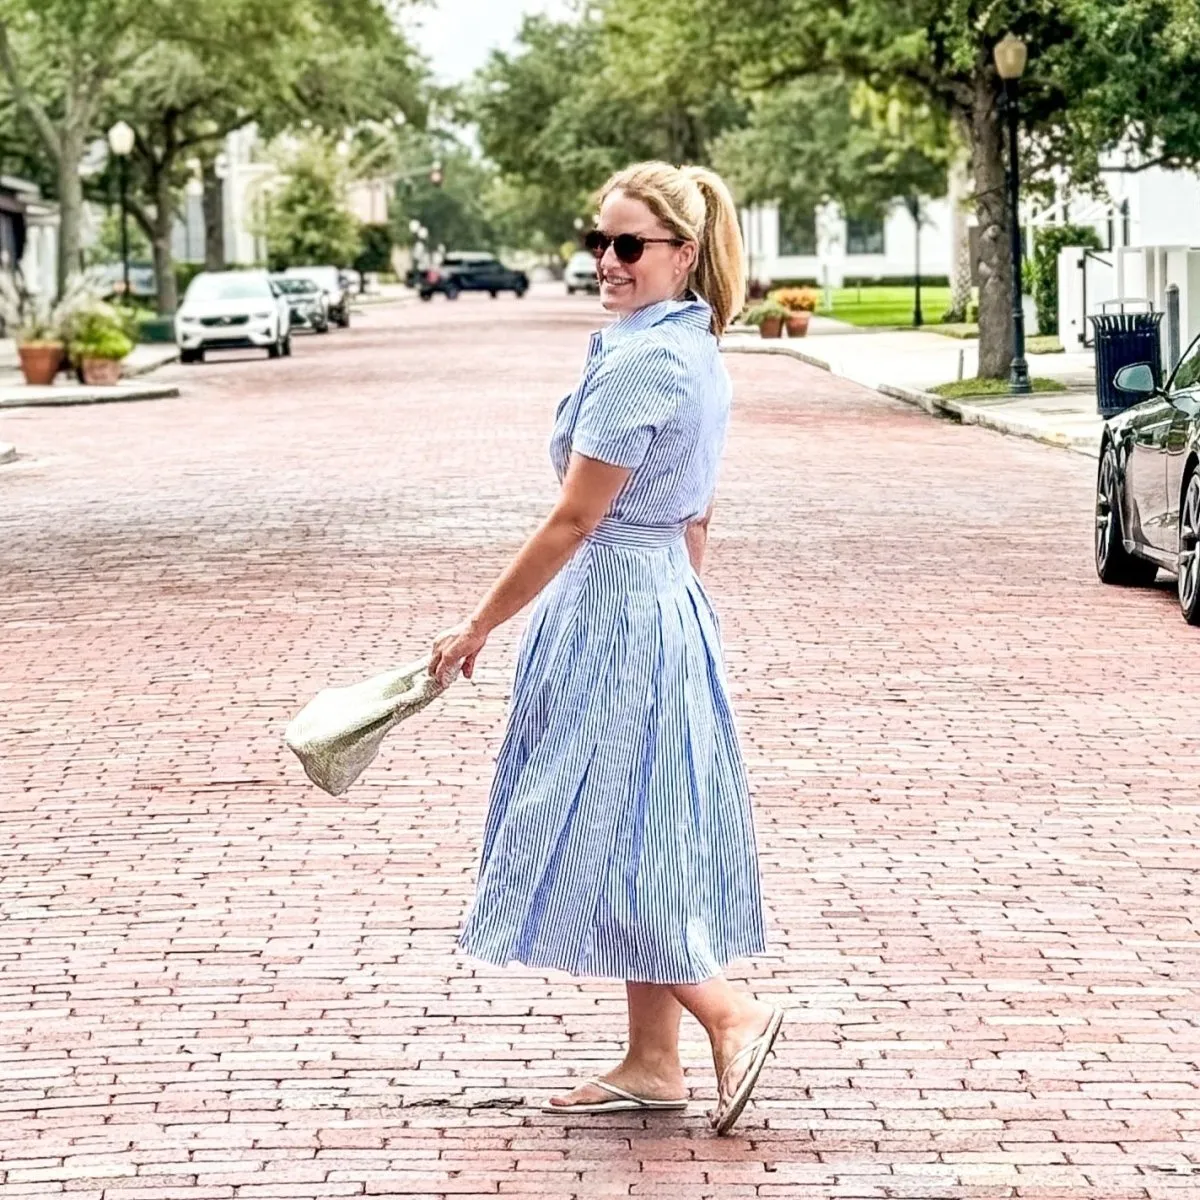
x,y
695,203
720,271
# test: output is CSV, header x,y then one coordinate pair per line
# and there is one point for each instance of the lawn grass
x,y
886,306
962,389
1043,343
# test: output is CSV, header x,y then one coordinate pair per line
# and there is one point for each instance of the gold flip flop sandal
x,y
758,1051
622,1101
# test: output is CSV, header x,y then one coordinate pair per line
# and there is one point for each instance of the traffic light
x,y
435,174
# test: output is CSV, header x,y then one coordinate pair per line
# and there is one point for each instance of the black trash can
x,y
1121,340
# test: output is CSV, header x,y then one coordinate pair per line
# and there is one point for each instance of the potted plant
x,y
30,320
37,323
100,356
769,316
801,303
98,342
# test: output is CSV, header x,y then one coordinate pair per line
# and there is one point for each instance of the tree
x,y
60,60
578,100
1102,72
306,220
826,139
276,63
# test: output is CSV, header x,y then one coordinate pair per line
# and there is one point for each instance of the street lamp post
x,y
1011,54
120,142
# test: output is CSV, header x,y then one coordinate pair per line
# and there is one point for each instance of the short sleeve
x,y
636,390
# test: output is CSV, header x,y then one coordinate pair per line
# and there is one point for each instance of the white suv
x,y
233,310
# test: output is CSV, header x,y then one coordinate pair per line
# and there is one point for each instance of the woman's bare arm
x,y
588,491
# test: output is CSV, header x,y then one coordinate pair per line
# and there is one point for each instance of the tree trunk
x,y
213,203
70,209
160,241
991,203
960,234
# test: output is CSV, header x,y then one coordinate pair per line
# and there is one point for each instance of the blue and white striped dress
x,y
619,839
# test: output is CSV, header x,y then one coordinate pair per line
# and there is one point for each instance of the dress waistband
x,y
611,532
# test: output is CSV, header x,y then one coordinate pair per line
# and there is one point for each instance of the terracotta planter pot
x,y
797,324
101,372
772,327
40,362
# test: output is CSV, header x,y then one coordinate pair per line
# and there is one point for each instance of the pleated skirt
x,y
619,840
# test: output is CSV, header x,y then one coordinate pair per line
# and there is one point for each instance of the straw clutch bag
x,y
337,733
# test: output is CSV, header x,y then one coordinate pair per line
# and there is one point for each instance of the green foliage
x,y
374,248
1049,242
759,313
306,220
823,138
184,274
107,246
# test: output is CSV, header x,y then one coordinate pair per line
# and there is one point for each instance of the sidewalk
x,y
16,393
906,363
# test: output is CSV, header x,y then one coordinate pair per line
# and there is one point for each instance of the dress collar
x,y
690,310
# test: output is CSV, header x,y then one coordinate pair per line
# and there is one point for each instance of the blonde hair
x,y
695,204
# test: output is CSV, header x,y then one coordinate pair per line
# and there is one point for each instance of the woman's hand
x,y
459,644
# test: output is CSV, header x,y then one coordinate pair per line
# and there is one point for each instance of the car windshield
x,y
229,287
296,287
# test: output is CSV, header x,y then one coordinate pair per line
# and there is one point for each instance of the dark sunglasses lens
x,y
628,247
596,242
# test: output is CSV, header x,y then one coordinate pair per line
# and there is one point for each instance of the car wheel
x,y
1189,551
344,320
426,295
452,293
1114,564
275,349
323,327
287,346
518,292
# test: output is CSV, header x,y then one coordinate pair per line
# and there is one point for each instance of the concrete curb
x,y
65,395
992,418
771,346
133,372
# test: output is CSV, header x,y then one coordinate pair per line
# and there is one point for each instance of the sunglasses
x,y
628,247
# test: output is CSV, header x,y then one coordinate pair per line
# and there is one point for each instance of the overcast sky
x,y
456,35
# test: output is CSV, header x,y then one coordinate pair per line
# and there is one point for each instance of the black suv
x,y
468,272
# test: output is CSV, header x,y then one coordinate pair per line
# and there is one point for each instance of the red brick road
x,y
978,805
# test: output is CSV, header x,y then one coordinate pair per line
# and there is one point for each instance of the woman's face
x,y
662,271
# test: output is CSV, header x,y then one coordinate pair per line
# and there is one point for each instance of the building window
x,y
864,235
797,231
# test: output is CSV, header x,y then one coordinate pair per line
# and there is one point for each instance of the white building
x,y
827,248
1149,224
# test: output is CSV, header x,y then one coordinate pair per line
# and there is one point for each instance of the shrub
x,y
799,299
99,331
185,272
761,312
1049,241
374,248
111,344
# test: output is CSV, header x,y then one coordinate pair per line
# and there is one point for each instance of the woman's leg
x,y
651,1066
731,1018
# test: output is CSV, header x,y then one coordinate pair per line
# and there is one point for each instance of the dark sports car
x,y
1148,486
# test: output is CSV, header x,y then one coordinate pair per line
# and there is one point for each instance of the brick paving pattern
x,y
977,800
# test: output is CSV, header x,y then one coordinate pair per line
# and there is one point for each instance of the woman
x,y
619,840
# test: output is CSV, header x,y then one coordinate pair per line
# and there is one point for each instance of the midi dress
x,y
619,839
